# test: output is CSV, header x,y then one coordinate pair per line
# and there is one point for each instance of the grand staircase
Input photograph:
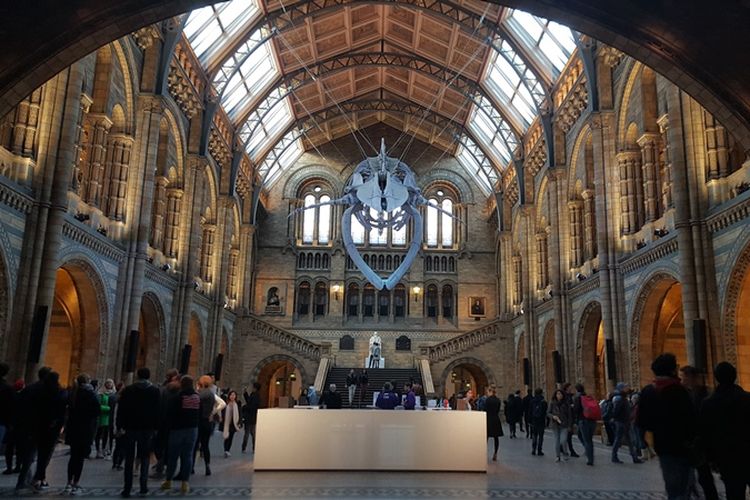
x,y
377,378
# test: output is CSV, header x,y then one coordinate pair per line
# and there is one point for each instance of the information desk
x,y
307,439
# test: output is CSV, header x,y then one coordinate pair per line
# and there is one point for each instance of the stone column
x,y
575,212
628,163
159,210
717,150
541,260
120,150
247,232
75,179
651,189
665,163
589,224
172,226
26,124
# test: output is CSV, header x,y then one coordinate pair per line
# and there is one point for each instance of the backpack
x,y
606,410
591,410
537,410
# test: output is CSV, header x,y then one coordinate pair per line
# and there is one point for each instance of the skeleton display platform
x,y
308,439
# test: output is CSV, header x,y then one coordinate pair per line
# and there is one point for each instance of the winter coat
x,y
492,409
138,408
666,409
231,418
184,410
724,429
561,410
250,410
83,410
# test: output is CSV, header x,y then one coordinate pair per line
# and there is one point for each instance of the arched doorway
x,y
224,350
279,377
75,325
658,324
592,366
521,355
736,328
195,339
463,375
149,340
742,329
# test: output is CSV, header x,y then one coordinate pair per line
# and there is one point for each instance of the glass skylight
x,y
552,43
210,28
504,82
282,156
471,157
268,119
250,78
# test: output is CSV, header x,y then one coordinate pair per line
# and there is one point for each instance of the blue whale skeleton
x,y
388,186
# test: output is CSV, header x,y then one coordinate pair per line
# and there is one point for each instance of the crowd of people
x,y
172,422
693,431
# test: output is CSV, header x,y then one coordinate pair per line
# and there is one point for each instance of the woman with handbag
x,y
231,422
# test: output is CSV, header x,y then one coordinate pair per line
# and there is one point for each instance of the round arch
x,y
656,325
736,317
481,376
268,372
590,349
195,339
152,342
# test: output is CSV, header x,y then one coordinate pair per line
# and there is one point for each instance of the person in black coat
x,y
538,422
80,429
250,414
724,431
511,413
138,413
331,399
494,426
667,410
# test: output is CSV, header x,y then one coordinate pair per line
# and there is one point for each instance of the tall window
x,y
368,301
399,301
317,221
321,298
431,301
352,299
378,237
440,227
358,231
447,300
303,299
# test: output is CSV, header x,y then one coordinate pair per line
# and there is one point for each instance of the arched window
x,y
377,236
384,303
447,302
440,226
352,300
399,301
368,301
317,221
321,298
303,299
358,231
431,301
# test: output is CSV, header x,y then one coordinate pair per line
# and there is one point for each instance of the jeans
x,y
586,434
561,440
352,390
205,431
229,439
249,431
78,454
537,437
678,476
180,445
143,441
45,448
621,431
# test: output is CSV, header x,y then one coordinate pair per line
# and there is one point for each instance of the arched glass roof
x,y
235,44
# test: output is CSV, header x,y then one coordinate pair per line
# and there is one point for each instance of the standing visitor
x,y
138,415
11,446
588,413
668,412
387,399
351,385
51,405
410,402
692,381
538,422
168,390
494,426
331,399
621,423
561,417
231,422
182,418
107,402
83,411
363,381
312,396
210,405
570,392
250,414
511,413
725,433
527,412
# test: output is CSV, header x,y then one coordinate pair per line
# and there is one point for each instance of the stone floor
x,y
517,474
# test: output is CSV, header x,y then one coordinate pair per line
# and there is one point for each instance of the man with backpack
x,y
621,421
538,422
588,411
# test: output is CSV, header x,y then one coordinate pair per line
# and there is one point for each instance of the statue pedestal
x,y
381,365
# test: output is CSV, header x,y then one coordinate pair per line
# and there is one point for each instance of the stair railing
x,y
284,338
461,343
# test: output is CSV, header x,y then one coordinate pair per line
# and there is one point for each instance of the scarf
x,y
231,415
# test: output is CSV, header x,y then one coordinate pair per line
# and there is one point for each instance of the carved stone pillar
x,y
98,126
628,162
651,185
542,260
26,124
207,252
665,164
81,148
575,213
717,150
246,246
158,212
589,224
121,147
517,280
172,226
231,285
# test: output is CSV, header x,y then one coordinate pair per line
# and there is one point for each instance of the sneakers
x,y
124,494
557,459
616,460
76,491
208,470
185,488
68,488
637,461
574,455
99,454
166,485
8,472
227,454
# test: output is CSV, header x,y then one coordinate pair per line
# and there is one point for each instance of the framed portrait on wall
x,y
477,307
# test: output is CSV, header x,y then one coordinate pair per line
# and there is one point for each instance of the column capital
x,y
648,138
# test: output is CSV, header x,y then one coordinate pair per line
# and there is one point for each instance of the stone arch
x,y
590,359
577,160
265,370
307,174
648,317
196,338
152,343
736,319
459,183
627,94
78,334
482,374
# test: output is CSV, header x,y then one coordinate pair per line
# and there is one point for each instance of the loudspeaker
x,y
526,371
557,363
38,325
699,345
218,364
132,352
611,363
185,359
